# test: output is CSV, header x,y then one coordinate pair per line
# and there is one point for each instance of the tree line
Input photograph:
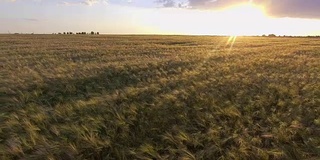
x,y
273,35
69,33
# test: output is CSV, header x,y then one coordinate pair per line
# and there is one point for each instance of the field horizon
x,y
159,34
159,97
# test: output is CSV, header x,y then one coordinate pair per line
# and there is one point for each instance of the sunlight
x,y
231,41
245,18
243,21
239,20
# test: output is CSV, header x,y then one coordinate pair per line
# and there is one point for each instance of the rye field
x,y
159,97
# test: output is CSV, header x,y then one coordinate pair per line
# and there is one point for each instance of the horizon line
x,y
158,34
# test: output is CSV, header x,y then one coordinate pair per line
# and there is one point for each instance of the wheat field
x,y
159,97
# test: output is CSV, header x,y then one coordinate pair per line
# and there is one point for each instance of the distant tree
x,y
264,35
272,35
92,32
70,32
98,33
64,32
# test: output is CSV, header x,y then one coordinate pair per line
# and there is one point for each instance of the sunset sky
x,y
200,17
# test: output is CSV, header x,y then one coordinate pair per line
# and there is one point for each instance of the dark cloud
x,y
174,3
277,8
294,8
167,3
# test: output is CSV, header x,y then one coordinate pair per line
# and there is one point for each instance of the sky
x,y
195,17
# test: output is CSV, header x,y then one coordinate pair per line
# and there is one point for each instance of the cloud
x,y
90,2
17,0
83,2
7,0
294,8
31,19
212,3
173,3
167,3
277,8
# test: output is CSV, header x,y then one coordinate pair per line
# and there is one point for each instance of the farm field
x,y
159,97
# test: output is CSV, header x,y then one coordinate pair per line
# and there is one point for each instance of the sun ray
x,y
229,40
232,41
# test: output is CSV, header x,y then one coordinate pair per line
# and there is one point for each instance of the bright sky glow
x,y
142,17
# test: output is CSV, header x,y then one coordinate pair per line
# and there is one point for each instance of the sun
x,y
245,19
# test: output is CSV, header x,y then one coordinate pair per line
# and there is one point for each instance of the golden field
x,y
159,97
